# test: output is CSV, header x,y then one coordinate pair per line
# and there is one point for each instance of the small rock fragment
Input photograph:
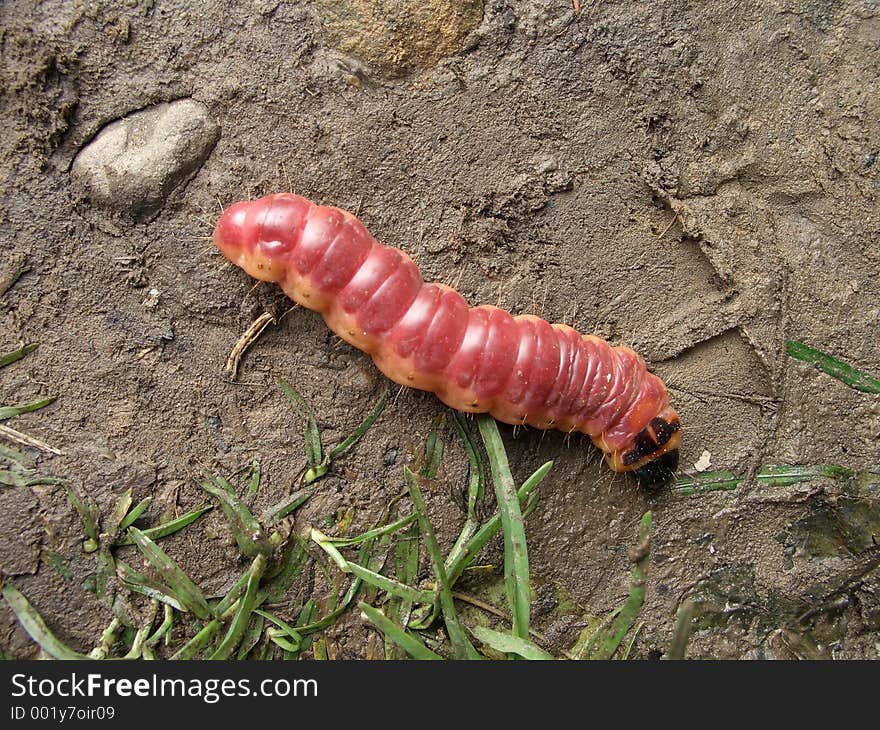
x,y
134,163
389,458
152,300
395,37
704,462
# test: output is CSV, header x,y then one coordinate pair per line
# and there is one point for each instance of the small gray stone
x,y
390,457
134,163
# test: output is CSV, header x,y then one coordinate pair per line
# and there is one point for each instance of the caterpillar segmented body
x,y
521,369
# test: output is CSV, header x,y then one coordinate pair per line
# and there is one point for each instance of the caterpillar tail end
x,y
652,457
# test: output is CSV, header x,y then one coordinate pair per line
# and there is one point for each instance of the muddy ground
x,y
697,180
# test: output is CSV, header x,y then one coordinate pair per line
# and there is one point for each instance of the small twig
x,y
23,438
669,227
250,336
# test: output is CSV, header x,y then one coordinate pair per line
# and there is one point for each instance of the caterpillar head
x,y
652,457
251,235
230,233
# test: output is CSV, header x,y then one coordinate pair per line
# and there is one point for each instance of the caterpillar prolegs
x,y
522,370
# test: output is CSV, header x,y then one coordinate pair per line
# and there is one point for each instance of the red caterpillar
x,y
520,369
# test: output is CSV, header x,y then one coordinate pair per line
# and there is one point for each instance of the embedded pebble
x,y
152,300
390,457
395,37
134,163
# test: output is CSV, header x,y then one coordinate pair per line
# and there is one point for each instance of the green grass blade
x,y
491,527
395,588
359,432
372,555
433,449
781,475
319,624
535,479
199,641
530,505
329,619
328,547
286,506
292,563
594,632
106,569
248,532
837,369
175,525
516,558
374,533
476,487
15,355
404,639
225,604
710,481
785,475
406,569
291,632
461,646
389,585
684,626
135,513
88,515
123,504
632,641
629,612
33,623
164,629
286,644
170,527
136,581
187,592
476,476
11,411
12,478
314,473
18,457
510,644
373,563
314,451
407,555
254,486
283,635
242,618
306,617
224,483
251,637
55,561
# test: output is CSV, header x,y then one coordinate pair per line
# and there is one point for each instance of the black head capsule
x,y
659,471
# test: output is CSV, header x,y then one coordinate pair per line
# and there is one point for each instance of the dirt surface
x,y
697,180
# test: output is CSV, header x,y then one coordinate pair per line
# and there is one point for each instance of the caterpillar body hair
x,y
520,369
